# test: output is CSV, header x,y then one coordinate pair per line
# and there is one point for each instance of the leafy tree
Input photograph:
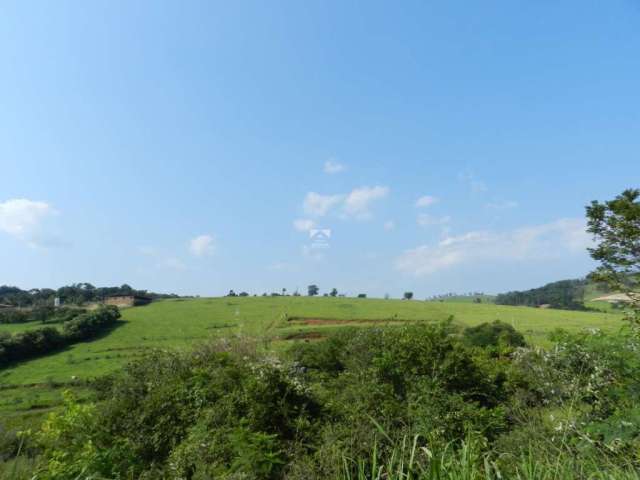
x,y
408,295
565,294
313,290
362,295
232,293
615,226
334,292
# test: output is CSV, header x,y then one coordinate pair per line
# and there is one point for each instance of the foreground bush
x,y
412,402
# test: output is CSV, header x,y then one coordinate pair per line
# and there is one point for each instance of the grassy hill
x,y
35,385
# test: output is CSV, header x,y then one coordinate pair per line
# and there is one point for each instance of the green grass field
x,y
35,385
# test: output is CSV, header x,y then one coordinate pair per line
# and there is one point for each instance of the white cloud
x,y
503,205
23,219
475,184
331,167
389,225
358,202
202,245
426,201
319,205
540,242
303,224
355,204
426,220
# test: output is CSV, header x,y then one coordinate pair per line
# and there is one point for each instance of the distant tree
x,y
325,294
231,294
408,295
334,292
362,295
284,292
615,226
386,296
312,290
243,294
564,294
477,300
296,293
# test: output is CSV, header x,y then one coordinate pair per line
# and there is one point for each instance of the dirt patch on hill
x,y
615,297
339,321
304,336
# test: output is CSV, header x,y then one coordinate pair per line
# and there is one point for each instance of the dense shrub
x,y
497,334
43,314
14,315
186,416
422,402
31,343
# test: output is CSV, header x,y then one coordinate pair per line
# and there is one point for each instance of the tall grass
x,y
467,460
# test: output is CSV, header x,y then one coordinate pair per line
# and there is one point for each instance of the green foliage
x,y
497,334
417,401
30,343
42,314
615,225
565,294
199,415
77,294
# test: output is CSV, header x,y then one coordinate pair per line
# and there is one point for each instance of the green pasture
x,y
181,323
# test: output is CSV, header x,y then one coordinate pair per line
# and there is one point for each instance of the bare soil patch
x,y
615,297
338,321
304,336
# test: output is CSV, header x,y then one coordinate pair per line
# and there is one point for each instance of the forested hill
x,y
77,293
565,294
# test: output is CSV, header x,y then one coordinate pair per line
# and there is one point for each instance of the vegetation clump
x,y
75,327
419,401
496,334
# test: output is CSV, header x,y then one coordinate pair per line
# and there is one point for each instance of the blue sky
x,y
190,146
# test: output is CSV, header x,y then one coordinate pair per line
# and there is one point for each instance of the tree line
x,y
76,294
32,343
565,294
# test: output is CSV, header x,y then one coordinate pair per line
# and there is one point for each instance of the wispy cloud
x,y
426,201
202,245
355,204
502,205
25,220
172,263
332,167
319,205
426,220
473,183
303,224
162,259
389,225
547,241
